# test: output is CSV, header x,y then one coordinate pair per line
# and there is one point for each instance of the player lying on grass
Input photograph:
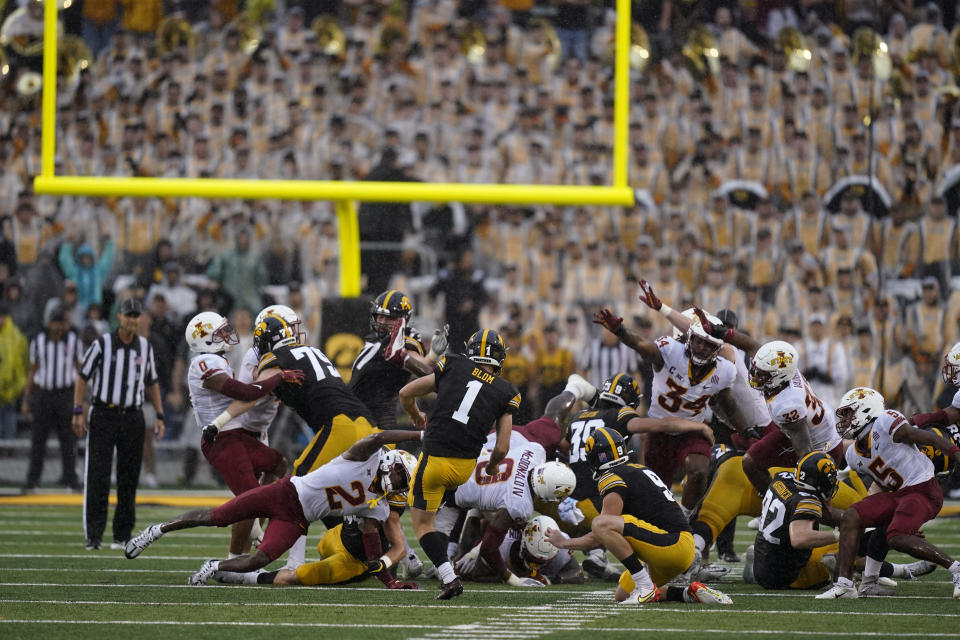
x,y
526,552
641,524
343,555
354,483
887,447
790,547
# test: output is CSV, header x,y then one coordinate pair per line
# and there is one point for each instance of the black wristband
x,y
159,416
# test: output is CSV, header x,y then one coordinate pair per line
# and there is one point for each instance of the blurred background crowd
x,y
796,162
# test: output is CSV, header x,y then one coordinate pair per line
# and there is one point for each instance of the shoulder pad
x,y
608,481
266,360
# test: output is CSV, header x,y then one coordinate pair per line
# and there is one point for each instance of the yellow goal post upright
x,y
344,194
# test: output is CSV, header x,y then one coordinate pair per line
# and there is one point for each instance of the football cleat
x,y
919,568
642,595
118,545
206,571
838,591
93,545
598,566
699,572
871,587
956,585
705,595
583,390
411,566
142,540
450,590
748,566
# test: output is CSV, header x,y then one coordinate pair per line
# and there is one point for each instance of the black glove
x,y
376,566
210,432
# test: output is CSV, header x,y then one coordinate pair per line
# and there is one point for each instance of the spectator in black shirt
x,y
464,295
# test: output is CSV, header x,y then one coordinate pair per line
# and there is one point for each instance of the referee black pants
x,y
51,409
111,429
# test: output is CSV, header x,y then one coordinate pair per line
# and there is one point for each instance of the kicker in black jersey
x,y
776,562
644,496
322,393
469,402
376,381
582,427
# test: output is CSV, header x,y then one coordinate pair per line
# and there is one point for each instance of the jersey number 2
x,y
354,499
462,414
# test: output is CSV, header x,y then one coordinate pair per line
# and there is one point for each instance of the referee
x,y
55,353
120,368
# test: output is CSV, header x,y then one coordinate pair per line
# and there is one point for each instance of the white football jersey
x,y
893,464
260,415
750,400
956,400
508,489
207,403
797,400
342,488
673,395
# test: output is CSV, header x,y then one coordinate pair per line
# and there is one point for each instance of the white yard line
x,y
778,632
180,623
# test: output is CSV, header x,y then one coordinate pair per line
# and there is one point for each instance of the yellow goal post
x,y
344,194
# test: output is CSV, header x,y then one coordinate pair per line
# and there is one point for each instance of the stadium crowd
x,y
733,167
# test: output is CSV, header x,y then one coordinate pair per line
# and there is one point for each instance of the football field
x,y
50,587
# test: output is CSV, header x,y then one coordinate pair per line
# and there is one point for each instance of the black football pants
x,y
51,411
108,430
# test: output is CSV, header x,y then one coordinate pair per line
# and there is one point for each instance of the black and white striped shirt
x,y
602,361
119,372
56,360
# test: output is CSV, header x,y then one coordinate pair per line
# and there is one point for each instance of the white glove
x,y
514,581
580,388
468,562
569,512
438,343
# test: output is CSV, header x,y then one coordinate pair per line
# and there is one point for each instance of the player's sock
x,y
298,553
844,582
871,567
231,555
890,570
446,573
434,544
955,567
699,543
266,577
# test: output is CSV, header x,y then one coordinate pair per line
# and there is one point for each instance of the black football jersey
x,y
644,496
321,394
376,382
776,563
580,429
469,402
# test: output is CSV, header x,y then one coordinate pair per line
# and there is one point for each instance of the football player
x,y
354,483
379,370
951,376
790,547
801,422
237,451
335,415
343,553
641,524
505,497
527,554
471,398
615,409
887,447
686,376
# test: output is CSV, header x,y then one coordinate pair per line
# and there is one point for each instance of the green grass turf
x,y
50,587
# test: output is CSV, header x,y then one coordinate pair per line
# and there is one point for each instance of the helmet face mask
x,y
386,310
486,347
396,470
605,449
773,366
817,472
951,366
858,408
620,390
702,348
272,332
209,332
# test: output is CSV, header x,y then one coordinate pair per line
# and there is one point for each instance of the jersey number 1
x,y
462,414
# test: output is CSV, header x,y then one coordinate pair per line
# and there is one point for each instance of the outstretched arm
x,y
950,415
669,425
632,339
740,340
922,438
365,447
